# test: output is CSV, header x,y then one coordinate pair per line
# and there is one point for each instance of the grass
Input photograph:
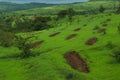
x,y
51,64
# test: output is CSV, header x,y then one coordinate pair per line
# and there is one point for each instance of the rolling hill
x,y
89,39
8,6
79,7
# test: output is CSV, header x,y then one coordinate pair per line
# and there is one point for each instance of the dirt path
x,y
76,62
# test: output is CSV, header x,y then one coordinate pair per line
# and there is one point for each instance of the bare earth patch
x,y
76,62
77,29
36,44
54,34
92,41
71,36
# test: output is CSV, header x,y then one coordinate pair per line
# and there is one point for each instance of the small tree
x,y
71,13
101,9
25,48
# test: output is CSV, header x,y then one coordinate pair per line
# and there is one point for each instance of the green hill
x,y
7,6
79,7
92,37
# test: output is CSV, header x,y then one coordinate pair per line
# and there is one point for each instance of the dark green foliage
x,y
119,28
101,9
116,54
110,45
6,38
23,46
69,12
41,23
7,6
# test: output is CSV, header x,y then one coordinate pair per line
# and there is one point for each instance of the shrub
x,y
101,9
116,54
6,38
119,28
25,48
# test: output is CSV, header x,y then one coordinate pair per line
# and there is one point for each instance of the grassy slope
x,y
57,8
51,65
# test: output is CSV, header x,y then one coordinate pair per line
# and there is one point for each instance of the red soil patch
x,y
36,44
101,30
77,29
55,34
71,36
92,41
76,62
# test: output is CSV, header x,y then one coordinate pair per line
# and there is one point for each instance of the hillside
x,y
89,40
7,6
79,7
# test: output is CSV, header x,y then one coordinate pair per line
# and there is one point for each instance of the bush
x,y
119,28
25,48
116,54
6,38
101,9
69,12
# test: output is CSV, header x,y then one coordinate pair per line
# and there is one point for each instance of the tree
x,y
69,12
6,38
23,46
101,9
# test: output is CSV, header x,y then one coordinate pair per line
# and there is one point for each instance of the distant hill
x,y
7,6
78,7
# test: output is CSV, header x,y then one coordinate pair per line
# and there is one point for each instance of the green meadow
x,y
94,37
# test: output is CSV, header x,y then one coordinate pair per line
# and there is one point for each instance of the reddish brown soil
x,y
71,36
55,34
77,29
92,41
76,62
101,30
36,44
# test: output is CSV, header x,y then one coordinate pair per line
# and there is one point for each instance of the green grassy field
x,y
51,64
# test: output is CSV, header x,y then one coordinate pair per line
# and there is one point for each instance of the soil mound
x,y
92,41
71,36
54,34
36,44
76,62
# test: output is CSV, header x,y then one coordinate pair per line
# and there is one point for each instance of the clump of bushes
x,y
101,9
23,46
69,12
110,45
6,38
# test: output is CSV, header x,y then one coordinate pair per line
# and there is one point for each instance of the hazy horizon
x,y
43,1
